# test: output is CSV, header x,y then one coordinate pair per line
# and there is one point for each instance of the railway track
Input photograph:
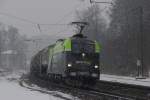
x,y
111,96
95,93
23,83
134,92
92,95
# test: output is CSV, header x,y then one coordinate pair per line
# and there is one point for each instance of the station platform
x,y
125,80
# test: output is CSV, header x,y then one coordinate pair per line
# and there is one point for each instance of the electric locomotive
x,y
74,59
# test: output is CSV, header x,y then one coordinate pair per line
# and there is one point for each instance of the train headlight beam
x,y
69,65
96,66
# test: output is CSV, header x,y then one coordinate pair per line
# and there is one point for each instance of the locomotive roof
x,y
79,36
76,36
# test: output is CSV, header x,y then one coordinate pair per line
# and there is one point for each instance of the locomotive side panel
x,y
58,63
57,59
50,56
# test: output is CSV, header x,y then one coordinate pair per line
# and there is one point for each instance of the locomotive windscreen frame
x,y
83,45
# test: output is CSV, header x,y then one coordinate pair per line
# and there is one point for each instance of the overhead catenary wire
x,y
26,20
39,25
62,19
68,14
18,18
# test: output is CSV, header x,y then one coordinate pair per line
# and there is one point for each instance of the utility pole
x,y
140,60
96,24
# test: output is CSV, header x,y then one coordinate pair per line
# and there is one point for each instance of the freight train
x,y
74,60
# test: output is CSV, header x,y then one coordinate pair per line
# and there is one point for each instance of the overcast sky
x,y
40,11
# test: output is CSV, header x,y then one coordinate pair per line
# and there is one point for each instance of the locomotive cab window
x,y
80,46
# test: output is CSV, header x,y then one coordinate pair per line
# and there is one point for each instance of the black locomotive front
x,y
83,60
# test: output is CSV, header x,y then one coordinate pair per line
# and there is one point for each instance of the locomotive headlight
x,y
96,66
69,65
83,54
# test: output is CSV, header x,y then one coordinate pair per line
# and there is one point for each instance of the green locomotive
x,y
74,58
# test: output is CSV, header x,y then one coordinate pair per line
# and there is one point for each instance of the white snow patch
x,y
52,92
10,75
11,90
9,52
126,80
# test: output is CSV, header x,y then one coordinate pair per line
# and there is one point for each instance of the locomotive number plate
x,y
83,62
83,73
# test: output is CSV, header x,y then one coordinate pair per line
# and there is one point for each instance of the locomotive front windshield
x,y
86,46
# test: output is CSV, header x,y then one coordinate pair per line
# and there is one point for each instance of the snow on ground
x,y
126,80
11,90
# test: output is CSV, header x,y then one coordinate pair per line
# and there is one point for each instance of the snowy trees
x,y
96,27
129,36
12,48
